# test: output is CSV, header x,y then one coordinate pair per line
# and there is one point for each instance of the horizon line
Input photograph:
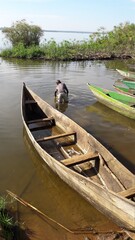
x,y
66,31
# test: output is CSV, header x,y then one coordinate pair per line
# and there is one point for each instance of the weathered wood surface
x,y
57,136
100,180
41,120
128,192
78,159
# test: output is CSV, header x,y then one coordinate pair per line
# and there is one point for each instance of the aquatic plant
x,y
2,203
7,222
7,225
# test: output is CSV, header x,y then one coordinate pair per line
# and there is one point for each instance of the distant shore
x,y
100,45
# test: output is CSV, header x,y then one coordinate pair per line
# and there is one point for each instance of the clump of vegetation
x,y
25,39
6,221
20,51
22,32
10,228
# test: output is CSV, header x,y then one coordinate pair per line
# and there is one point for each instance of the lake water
x,y
21,170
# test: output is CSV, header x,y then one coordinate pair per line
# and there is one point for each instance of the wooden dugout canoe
x,y
80,160
119,102
127,74
126,91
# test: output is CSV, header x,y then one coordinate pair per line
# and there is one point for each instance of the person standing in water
x,y
61,92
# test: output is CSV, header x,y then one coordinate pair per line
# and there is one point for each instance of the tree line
x,y
25,40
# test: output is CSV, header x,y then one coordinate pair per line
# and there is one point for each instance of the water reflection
x,y
124,64
42,63
62,107
110,115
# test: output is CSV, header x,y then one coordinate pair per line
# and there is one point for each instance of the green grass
x,y
7,222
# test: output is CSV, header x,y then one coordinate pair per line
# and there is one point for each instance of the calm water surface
x,y
24,173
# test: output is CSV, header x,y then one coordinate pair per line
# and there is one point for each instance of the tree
x,y
22,32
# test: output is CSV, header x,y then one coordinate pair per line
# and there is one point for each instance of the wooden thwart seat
x,y
78,159
41,120
30,101
50,122
128,192
56,136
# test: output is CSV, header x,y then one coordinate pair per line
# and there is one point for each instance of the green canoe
x,y
127,74
129,84
121,103
124,90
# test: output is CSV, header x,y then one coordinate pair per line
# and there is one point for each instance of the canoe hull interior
x,y
86,166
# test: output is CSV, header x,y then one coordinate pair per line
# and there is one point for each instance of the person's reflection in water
x,y
61,106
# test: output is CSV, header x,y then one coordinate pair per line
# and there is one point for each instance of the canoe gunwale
x,y
125,91
86,187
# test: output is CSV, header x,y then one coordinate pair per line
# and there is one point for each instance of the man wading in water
x,y
61,92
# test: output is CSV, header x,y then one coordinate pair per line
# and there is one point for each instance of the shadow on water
x,y
22,234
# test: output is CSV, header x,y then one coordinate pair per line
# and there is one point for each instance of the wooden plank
x,y
56,136
79,159
30,101
36,128
128,192
109,177
41,120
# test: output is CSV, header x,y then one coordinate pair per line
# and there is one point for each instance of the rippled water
x,y
22,171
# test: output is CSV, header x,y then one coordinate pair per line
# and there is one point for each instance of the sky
x,y
69,15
